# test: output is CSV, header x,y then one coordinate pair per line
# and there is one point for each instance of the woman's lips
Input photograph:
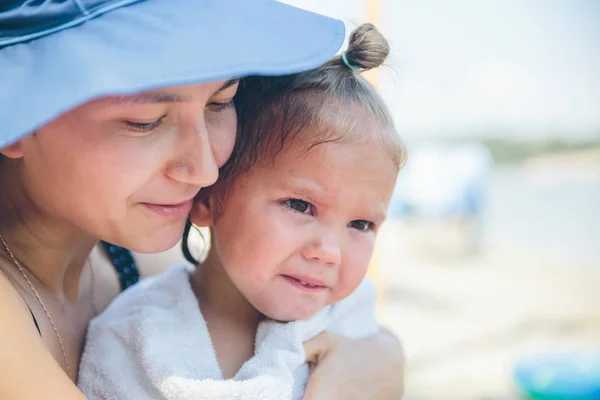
x,y
171,210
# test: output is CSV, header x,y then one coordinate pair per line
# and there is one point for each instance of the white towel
x,y
153,343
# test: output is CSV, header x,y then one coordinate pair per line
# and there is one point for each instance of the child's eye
x,y
361,225
145,126
219,107
298,205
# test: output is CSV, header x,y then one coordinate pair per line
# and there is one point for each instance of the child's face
x,y
298,234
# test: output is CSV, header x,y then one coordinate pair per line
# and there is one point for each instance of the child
x,y
293,221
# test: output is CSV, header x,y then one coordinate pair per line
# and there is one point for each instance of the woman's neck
x,y
51,251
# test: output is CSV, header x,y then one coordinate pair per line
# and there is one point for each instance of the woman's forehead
x,y
172,94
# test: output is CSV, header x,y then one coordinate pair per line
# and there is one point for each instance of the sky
x,y
510,68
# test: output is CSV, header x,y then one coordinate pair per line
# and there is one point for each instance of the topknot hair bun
x,y
367,48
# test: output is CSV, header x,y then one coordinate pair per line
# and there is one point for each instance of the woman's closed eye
x,y
139,126
299,206
361,225
216,106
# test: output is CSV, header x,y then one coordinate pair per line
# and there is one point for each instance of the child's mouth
x,y
304,285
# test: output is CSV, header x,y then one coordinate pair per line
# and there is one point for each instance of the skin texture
x,y
370,368
105,180
64,188
308,216
337,375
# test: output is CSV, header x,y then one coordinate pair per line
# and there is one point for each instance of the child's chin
x,y
283,316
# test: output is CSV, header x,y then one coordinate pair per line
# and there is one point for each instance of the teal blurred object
x,y
560,376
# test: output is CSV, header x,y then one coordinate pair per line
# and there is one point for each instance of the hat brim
x,y
152,44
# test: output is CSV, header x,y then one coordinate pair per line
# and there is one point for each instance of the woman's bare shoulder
x,y
27,369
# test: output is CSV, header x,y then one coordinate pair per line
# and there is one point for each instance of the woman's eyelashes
x,y
145,126
220,106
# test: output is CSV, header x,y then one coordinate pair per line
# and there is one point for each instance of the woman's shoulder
x,y
13,307
23,354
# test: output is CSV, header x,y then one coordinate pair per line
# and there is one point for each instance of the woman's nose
x,y
195,164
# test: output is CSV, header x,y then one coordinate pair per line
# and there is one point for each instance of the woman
x,y
114,115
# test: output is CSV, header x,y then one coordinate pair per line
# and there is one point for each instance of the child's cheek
x,y
355,264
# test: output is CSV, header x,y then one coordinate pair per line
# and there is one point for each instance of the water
x,y
551,211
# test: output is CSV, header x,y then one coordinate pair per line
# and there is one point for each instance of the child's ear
x,y
201,214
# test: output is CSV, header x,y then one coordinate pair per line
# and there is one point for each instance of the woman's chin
x,y
153,241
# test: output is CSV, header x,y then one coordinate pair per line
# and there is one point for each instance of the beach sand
x,y
466,320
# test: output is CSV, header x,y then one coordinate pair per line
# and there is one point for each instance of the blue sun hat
x,y
57,54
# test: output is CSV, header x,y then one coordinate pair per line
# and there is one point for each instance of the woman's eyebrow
x,y
148,98
228,84
162,97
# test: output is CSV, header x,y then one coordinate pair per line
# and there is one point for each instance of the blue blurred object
x,y
444,181
56,55
560,376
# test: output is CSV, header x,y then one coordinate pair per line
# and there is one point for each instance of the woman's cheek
x,y
222,133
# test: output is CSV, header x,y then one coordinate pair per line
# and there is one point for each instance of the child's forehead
x,y
329,170
307,153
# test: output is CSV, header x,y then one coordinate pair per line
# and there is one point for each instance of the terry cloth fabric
x,y
153,343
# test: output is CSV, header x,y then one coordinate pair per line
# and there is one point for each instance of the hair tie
x,y
347,63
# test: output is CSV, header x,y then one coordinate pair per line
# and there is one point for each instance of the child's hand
x,y
346,369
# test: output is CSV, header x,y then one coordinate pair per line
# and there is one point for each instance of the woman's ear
x,y
202,214
15,150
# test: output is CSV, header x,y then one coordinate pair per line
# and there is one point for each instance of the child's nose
x,y
325,249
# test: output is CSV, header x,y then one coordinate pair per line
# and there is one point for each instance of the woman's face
x,y
126,168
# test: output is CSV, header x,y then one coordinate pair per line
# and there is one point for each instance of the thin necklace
x,y
92,291
35,292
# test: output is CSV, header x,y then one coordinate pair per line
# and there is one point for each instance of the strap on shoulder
x,y
124,264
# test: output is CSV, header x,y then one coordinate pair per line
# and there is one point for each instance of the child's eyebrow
x,y
308,188
311,190
379,214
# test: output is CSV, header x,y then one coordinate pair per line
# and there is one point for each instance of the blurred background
x,y
491,255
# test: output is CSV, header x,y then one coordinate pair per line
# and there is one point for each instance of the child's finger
x,y
316,348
